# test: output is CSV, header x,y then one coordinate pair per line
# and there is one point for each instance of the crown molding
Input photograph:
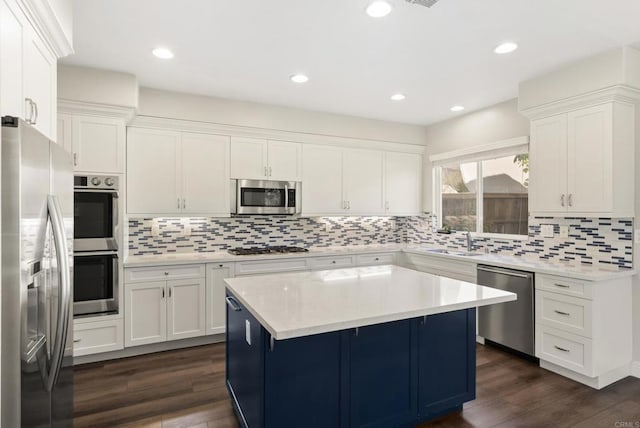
x,y
44,19
96,109
618,93
271,134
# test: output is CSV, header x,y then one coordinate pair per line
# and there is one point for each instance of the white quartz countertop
x,y
301,304
584,272
588,273
223,256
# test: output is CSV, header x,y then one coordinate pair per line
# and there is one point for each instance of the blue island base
x,y
396,374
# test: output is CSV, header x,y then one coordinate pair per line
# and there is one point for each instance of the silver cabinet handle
x,y
233,304
184,203
77,340
377,259
348,205
569,202
35,106
561,285
562,313
561,349
170,288
333,262
386,205
163,293
178,203
562,200
75,159
29,119
270,174
266,172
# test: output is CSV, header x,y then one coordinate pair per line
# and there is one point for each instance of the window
x,y
484,191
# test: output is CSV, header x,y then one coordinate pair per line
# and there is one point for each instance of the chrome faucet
x,y
469,241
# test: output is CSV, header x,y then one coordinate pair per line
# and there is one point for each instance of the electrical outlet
x,y
155,229
564,231
186,228
546,230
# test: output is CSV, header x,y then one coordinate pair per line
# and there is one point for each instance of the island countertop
x,y
299,304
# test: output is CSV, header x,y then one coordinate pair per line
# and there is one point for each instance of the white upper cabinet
x,y
322,180
402,183
65,123
257,159
152,172
28,70
205,174
581,161
98,144
177,173
12,34
362,176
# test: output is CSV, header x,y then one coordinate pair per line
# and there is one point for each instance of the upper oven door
x,y
95,283
267,197
95,220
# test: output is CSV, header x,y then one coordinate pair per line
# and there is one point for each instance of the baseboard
x,y
594,382
635,369
148,349
480,340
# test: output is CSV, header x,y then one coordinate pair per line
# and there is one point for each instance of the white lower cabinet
x,y
437,265
332,262
93,337
216,320
583,328
171,309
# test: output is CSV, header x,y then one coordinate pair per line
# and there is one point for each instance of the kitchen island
x,y
373,346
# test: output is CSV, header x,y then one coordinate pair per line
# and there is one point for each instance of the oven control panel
x,y
109,182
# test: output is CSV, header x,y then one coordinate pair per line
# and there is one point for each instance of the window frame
x,y
476,154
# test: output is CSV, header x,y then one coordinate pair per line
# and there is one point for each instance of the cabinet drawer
x,y
270,266
95,337
562,285
332,262
566,313
564,349
160,273
376,259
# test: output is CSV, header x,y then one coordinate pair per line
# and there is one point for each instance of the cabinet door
x,y
403,183
249,158
285,160
245,349
590,153
362,175
152,172
40,83
322,180
548,165
145,317
186,308
12,24
98,144
382,374
205,174
215,308
65,132
447,361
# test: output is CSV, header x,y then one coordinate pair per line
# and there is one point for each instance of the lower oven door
x,y
95,283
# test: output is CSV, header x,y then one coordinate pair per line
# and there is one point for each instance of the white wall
x,y
498,122
160,103
98,86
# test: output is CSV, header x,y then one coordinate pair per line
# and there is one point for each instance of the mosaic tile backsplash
x,y
591,241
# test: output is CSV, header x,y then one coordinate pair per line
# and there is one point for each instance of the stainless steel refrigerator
x,y
37,292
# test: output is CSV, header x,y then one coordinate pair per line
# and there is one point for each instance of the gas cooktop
x,y
281,249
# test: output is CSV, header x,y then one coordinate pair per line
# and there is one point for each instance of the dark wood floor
x,y
185,388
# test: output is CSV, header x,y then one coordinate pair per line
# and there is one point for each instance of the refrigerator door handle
x,y
64,295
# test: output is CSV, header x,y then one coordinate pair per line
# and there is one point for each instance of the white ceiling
x,y
438,57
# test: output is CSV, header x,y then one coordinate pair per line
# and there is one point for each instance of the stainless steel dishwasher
x,y
510,324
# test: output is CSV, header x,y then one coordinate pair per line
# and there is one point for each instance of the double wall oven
x,y
96,261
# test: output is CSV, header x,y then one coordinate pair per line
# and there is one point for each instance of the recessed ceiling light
x,y
457,108
299,78
398,97
378,9
162,53
505,48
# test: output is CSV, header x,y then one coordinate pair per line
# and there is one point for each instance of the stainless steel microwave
x,y
265,197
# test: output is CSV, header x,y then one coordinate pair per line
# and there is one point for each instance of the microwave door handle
x,y
64,295
286,197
